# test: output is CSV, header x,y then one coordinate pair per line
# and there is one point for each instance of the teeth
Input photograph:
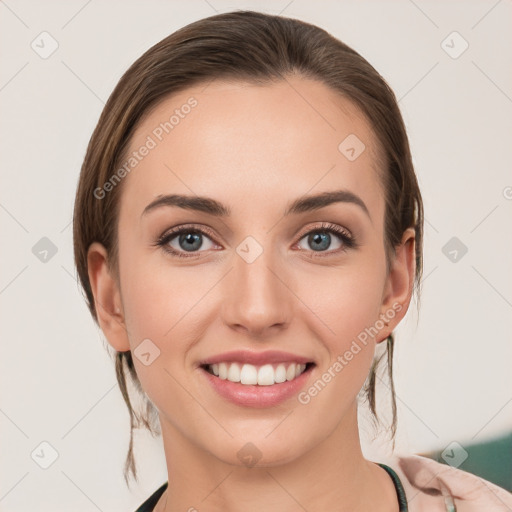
x,y
248,374
223,371
280,374
234,373
265,375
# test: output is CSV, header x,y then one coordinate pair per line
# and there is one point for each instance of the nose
x,y
258,299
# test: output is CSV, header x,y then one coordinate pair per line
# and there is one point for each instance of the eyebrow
x,y
214,207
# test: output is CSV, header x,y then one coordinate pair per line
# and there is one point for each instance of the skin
x,y
256,149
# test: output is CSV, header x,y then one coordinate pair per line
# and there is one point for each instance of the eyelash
x,y
347,239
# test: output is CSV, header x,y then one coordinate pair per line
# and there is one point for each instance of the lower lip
x,y
257,396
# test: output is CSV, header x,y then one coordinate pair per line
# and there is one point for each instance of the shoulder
x,y
432,486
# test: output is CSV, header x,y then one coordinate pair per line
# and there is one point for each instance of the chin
x,y
256,452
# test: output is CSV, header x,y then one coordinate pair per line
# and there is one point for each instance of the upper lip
x,y
256,358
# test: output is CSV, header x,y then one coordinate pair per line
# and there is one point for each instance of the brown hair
x,y
256,48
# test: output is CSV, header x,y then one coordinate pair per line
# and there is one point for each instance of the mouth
x,y
264,379
258,375
257,386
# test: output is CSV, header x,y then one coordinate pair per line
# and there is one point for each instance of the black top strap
x,y
402,499
151,502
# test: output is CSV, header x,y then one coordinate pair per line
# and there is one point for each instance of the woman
x,y
248,230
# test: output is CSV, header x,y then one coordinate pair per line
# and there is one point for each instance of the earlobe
x,y
399,284
107,298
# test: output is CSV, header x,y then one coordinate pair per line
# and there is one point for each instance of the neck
x,y
333,475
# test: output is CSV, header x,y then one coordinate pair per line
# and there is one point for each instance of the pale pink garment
x,y
431,486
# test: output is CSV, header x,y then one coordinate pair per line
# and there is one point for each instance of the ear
x,y
399,284
107,298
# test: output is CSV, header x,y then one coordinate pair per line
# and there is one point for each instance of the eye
x,y
321,239
189,241
186,241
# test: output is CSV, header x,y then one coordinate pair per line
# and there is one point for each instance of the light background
x,y
452,363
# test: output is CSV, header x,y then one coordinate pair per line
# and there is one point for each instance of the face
x,y
269,274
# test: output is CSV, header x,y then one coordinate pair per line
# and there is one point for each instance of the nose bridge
x,y
257,297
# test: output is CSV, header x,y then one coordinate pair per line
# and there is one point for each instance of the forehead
x,y
224,139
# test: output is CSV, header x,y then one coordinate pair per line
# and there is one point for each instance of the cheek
x,y
157,302
154,295
347,304
345,300
162,305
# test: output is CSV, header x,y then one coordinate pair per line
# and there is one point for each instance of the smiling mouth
x,y
263,375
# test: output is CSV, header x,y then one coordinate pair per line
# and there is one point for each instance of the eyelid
x,y
187,227
325,226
